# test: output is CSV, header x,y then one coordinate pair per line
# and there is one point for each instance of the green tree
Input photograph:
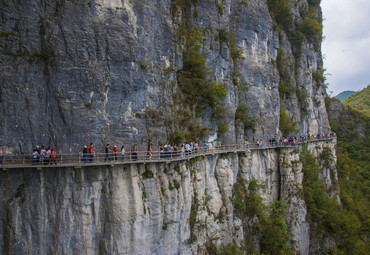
x,y
243,116
287,124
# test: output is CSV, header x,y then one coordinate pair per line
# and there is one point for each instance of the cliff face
x,y
108,71
157,208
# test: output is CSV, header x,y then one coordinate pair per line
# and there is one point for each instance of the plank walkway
x,y
77,160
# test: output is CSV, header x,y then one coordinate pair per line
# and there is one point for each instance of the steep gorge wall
x,y
75,72
157,208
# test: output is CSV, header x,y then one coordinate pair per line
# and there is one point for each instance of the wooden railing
x,y
80,159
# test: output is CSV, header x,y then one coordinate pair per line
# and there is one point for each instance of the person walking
x,y
47,156
205,145
107,154
42,155
123,152
187,148
168,151
84,155
53,157
246,144
115,153
35,156
183,153
134,152
175,151
161,153
91,152
150,152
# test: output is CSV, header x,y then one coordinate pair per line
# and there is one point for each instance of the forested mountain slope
x,y
360,101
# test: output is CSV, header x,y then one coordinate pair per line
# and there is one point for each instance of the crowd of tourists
x,y
172,150
88,153
42,155
185,149
166,150
292,141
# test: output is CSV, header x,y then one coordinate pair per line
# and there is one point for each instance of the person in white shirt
x,y
35,157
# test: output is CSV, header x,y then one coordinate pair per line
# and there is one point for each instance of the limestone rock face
x,y
121,209
75,72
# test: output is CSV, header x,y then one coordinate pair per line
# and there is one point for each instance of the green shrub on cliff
x,y
196,93
314,2
243,116
269,226
281,13
198,89
287,124
311,29
318,76
285,86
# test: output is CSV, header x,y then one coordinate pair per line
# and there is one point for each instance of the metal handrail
x,y
81,159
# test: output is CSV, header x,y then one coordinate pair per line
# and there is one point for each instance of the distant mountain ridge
x,y
360,101
344,95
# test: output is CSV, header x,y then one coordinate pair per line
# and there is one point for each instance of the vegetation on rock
x,y
268,223
287,124
347,222
310,27
243,116
318,76
285,85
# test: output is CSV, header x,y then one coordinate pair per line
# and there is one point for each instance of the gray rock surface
x,y
79,72
117,210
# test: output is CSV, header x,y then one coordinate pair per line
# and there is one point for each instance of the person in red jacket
x,y
115,153
91,152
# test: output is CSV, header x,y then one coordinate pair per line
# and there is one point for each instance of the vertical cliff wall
x,y
156,208
100,71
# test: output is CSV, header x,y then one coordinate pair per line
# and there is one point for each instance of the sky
x,y
346,45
